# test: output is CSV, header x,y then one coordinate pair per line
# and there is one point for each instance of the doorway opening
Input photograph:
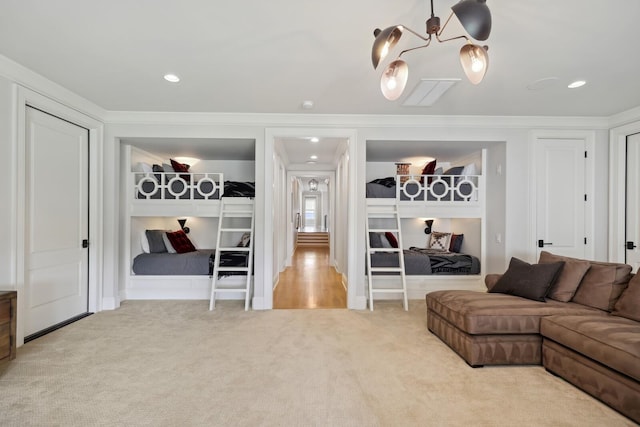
x,y
309,195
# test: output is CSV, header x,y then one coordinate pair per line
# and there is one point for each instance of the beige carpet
x,y
174,363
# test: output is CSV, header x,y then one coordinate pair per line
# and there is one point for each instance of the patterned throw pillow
x,y
180,242
439,241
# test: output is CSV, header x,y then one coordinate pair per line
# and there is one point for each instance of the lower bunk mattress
x,y
195,263
420,261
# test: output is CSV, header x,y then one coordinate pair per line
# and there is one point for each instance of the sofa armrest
x,y
491,279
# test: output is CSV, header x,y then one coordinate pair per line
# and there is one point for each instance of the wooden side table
x,y
8,319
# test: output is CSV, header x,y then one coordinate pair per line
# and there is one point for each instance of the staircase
x,y
316,238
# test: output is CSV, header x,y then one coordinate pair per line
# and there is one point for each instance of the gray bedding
x,y
166,264
375,190
419,261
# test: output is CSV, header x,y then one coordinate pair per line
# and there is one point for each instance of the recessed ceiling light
x,y
311,162
314,139
171,78
313,157
577,83
307,105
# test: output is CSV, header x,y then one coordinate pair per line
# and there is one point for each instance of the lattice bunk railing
x,y
463,189
177,186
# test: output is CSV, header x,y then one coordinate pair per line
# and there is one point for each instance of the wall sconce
x,y
182,222
428,223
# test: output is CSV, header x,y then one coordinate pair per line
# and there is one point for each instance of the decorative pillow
x,y
156,245
158,168
374,240
531,281
168,168
456,170
385,242
245,241
570,277
456,242
181,167
428,169
392,239
469,170
167,244
144,242
439,240
438,171
180,242
628,305
490,280
602,285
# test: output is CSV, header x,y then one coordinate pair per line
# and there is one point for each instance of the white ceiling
x,y
269,56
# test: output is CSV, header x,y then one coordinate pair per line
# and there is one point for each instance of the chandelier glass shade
x,y
475,17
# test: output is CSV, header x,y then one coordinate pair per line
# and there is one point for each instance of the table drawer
x,y
5,340
5,311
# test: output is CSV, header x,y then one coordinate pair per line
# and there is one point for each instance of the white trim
x,y
617,189
296,121
28,97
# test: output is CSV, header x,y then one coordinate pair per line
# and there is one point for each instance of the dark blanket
x,y
239,189
450,262
231,259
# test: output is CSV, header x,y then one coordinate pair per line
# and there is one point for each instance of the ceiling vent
x,y
428,91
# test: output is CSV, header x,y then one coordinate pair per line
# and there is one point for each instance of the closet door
x,y
560,196
632,226
57,220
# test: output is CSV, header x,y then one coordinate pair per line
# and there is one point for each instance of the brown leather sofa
x,y
584,326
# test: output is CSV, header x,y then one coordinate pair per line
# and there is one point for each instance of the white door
x,y
561,200
632,225
57,221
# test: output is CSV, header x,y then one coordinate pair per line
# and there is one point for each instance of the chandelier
x,y
475,17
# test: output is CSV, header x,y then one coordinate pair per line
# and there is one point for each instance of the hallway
x,y
310,282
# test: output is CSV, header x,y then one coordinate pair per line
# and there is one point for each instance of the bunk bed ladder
x,y
233,207
385,211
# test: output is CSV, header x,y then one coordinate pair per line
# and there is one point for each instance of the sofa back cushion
x,y
602,285
628,305
570,277
526,280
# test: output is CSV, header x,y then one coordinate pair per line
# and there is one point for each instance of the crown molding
x,y
29,79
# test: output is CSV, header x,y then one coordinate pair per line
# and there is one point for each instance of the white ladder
x,y
231,208
385,217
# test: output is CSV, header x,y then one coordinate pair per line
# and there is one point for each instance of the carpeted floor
x,y
174,363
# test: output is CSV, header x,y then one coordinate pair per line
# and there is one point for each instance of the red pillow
x,y
181,167
180,242
391,238
429,169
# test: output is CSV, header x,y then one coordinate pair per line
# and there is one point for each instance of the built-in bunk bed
x,y
171,210
441,206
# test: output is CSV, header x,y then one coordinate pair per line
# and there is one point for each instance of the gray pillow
x,y
374,240
156,242
526,280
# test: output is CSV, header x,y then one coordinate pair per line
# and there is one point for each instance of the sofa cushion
x,y
493,313
527,280
569,278
602,285
628,305
611,340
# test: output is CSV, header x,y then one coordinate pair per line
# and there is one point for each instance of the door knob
x,y
631,245
542,243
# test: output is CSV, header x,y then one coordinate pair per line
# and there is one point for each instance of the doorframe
x,y
354,301
589,187
25,98
618,189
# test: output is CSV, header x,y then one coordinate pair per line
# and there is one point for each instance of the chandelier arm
x,y
414,48
453,38
427,39
445,25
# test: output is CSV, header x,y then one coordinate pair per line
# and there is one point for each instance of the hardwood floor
x,y
311,282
